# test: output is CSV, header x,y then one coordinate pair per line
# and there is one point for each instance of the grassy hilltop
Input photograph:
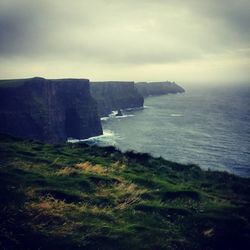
x,y
74,196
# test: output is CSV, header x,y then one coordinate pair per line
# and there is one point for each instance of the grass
x,y
75,196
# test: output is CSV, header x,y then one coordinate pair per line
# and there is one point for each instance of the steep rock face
x,y
48,110
158,88
115,95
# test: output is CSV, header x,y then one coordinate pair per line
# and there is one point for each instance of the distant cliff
x,y
115,95
158,88
48,110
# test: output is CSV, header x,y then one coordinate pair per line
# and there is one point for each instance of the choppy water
x,y
208,127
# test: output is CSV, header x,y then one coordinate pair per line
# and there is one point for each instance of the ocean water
x,y
209,127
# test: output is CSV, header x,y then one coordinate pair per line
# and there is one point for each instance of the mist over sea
x,y
207,126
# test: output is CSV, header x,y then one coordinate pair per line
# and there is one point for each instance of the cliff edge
x,y
115,95
48,110
158,88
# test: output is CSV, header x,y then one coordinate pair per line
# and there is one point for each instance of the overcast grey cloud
x,y
192,40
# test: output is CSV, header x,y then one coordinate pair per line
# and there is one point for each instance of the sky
x,y
191,41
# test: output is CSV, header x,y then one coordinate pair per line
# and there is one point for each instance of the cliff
x,y
158,88
48,110
115,95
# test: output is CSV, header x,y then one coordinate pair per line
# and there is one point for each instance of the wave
x,y
105,118
123,116
107,138
113,114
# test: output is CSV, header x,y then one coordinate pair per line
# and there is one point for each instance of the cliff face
x,y
158,88
115,95
48,110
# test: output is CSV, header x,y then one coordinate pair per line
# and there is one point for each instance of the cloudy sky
x,y
191,41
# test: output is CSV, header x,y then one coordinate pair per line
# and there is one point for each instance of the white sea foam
x,y
123,116
107,138
113,114
104,118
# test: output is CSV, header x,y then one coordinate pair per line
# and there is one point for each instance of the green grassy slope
x,y
75,196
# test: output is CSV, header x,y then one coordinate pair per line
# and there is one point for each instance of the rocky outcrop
x,y
158,88
115,95
48,110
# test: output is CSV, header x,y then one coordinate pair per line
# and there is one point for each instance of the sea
x,y
208,126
